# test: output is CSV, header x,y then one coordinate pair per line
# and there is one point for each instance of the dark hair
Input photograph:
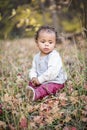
x,y
46,28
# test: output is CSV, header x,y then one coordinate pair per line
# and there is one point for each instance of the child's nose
x,y
46,43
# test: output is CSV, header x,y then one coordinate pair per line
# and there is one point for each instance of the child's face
x,y
46,42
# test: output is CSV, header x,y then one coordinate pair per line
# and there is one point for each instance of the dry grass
x,y
65,110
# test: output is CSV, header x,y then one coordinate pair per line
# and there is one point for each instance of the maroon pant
x,y
46,89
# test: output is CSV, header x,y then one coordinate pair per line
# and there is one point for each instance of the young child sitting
x,y
47,75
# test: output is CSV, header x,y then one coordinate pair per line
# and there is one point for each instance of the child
x,y
46,75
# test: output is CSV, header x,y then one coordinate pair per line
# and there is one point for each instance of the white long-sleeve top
x,y
48,68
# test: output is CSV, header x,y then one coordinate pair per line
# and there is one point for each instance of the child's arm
x,y
54,67
32,72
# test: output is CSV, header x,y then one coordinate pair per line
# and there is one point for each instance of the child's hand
x,y
35,81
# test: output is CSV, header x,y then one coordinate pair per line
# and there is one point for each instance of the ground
x,y
66,110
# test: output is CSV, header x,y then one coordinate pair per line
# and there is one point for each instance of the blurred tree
x,y
81,10
21,18
54,15
16,17
42,2
85,15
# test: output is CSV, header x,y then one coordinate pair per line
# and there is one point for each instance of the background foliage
x,y
22,18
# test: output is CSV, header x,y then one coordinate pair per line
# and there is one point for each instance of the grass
x,y
67,110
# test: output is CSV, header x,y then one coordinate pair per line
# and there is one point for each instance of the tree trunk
x,y
54,15
43,11
85,16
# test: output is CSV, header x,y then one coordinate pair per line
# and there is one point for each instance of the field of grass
x,y
67,110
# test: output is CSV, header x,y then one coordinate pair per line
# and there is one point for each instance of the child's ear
x,y
36,41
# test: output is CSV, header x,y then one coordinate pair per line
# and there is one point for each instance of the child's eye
x,y
50,42
43,41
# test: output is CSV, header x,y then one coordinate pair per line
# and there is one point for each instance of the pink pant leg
x,y
40,92
46,89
